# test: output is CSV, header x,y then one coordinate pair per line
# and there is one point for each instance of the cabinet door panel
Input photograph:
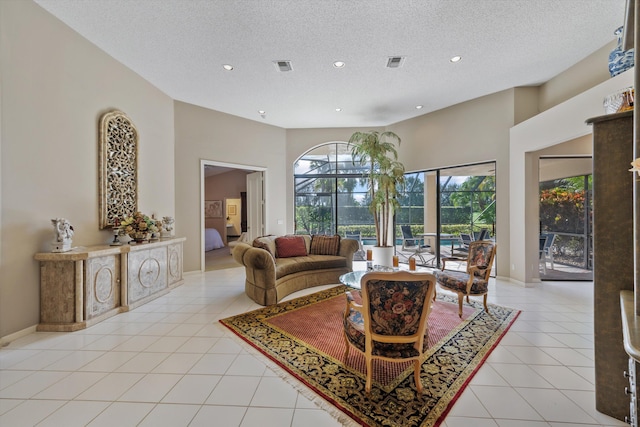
x,y
147,273
102,292
174,264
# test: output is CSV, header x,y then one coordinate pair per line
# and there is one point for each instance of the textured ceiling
x,y
180,46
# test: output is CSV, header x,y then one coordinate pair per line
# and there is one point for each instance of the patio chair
x,y
356,235
542,258
414,245
465,241
483,234
548,247
380,330
475,281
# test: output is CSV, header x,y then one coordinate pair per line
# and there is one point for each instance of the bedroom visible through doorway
x,y
224,211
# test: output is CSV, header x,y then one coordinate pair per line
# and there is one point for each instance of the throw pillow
x,y
290,246
266,243
325,245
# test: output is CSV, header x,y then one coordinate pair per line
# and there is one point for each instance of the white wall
x,y
564,122
589,72
203,134
471,132
55,85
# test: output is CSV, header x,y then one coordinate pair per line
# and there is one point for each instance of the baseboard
x,y
14,336
520,283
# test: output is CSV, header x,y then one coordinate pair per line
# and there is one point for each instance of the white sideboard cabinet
x,y
89,284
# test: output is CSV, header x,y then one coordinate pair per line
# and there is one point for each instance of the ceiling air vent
x,y
283,65
395,61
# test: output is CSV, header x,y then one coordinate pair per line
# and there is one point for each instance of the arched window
x,y
330,192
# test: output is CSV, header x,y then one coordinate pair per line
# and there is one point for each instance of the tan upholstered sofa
x,y
272,274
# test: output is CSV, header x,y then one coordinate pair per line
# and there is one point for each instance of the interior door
x,y
255,205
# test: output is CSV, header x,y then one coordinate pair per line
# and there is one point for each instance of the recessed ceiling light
x,y
228,67
262,112
418,107
456,58
338,109
339,64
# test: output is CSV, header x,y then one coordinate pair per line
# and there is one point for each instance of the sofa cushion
x,y
286,266
267,243
325,245
290,246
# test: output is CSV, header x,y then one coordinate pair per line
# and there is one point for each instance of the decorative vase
x,y
383,255
139,237
620,60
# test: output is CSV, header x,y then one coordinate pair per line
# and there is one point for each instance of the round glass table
x,y
352,279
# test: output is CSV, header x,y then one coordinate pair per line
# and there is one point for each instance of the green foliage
x,y
478,194
562,208
385,175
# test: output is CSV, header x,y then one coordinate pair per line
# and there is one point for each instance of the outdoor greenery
x,y
385,176
333,196
470,203
562,205
565,210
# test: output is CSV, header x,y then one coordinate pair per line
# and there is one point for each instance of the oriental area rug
x,y
304,338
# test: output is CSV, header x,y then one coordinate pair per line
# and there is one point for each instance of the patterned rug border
x,y
342,410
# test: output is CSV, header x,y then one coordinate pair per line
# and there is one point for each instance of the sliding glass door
x,y
566,213
443,204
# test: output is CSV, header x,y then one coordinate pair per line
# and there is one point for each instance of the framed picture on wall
x,y
213,208
232,210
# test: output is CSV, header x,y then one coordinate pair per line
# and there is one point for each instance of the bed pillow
x,y
325,245
290,246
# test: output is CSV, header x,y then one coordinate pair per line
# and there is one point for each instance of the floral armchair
x,y
475,281
391,322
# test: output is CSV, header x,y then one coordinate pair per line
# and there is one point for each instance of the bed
x,y
212,239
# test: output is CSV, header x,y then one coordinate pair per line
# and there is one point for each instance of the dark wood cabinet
x,y
613,242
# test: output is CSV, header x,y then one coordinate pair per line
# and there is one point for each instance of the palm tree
x,y
385,174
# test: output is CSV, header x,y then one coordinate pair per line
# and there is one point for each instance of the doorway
x,y
225,200
566,214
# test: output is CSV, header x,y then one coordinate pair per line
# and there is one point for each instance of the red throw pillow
x,y
290,246
325,245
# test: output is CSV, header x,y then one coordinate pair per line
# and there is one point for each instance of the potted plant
x,y
385,173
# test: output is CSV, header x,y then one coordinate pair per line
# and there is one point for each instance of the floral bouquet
x,y
139,226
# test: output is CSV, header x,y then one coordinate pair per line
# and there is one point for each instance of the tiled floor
x,y
170,363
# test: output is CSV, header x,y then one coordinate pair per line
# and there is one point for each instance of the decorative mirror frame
x,y
118,168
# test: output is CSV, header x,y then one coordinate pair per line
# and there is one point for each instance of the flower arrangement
x,y
139,226
635,166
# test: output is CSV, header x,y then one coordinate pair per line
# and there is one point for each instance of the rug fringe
x,y
303,389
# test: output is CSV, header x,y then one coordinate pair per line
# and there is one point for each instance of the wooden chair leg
x,y
347,345
460,301
416,374
367,387
484,301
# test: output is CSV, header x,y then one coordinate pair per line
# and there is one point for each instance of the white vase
x,y
383,255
